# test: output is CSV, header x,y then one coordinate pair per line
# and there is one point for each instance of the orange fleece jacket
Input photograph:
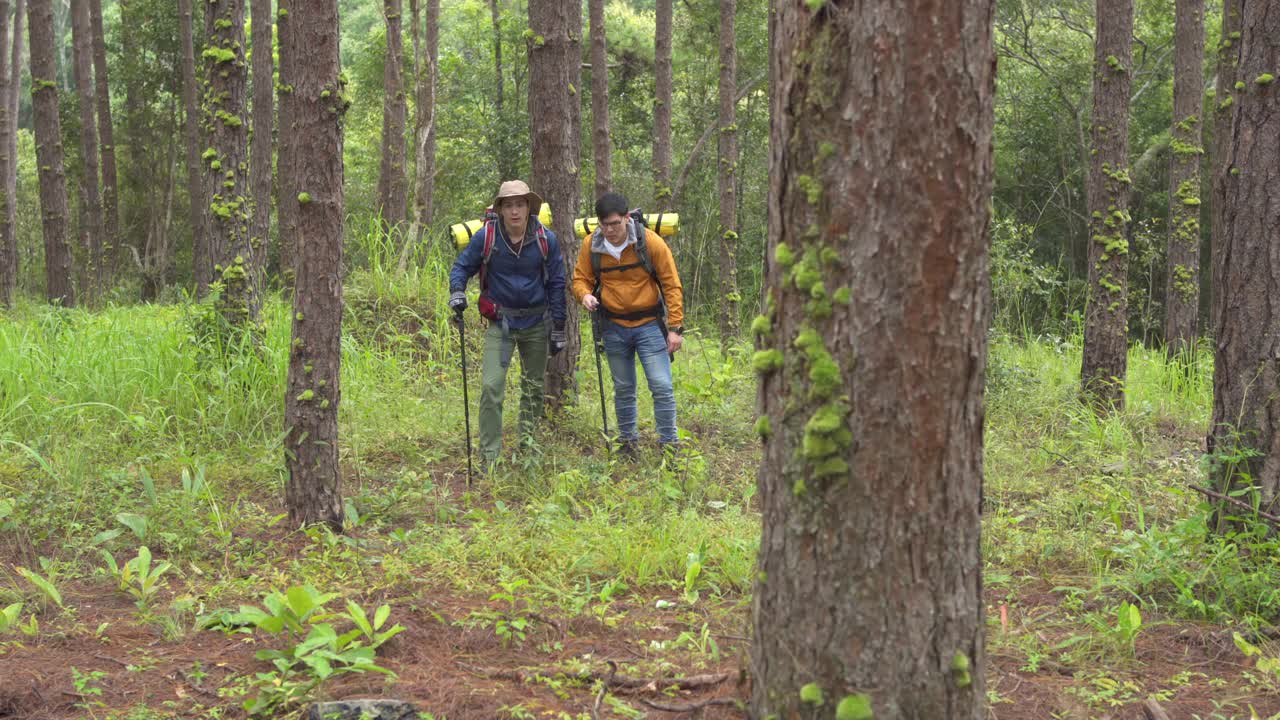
x,y
625,291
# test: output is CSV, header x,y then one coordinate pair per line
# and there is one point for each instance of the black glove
x,y
458,301
558,340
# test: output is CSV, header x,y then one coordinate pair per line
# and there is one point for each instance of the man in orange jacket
x,y
626,273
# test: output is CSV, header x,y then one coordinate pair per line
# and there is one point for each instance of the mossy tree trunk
x,y
662,86
264,91
728,173
8,254
1106,325
1228,52
201,252
1246,377
49,158
286,210
92,229
10,180
106,133
600,99
392,193
425,122
1182,290
502,157
871,353
313,493
555,74
225,161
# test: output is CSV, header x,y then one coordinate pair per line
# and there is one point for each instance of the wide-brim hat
x,y
517,188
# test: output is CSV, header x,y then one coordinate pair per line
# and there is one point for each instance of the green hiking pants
x,y
498,350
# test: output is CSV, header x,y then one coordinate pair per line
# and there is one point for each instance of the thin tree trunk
x,y
391,178
505,163
238,266
728,167
106,132
286,208
868,598
1182,291
1228,62
600,99
555,71
662,106
263,117
10,180
49,159
8,254
313,493
425,126
1246,378
90,191
201,252
1106,325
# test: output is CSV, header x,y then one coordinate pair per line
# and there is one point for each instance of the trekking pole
x,y
597,341
466,401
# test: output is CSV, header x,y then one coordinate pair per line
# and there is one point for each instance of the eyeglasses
x,y
613,224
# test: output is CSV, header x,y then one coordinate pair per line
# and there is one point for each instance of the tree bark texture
x,y
392,194
49,158
287,192
313,493
1246,377
201,251
425,125
600,99
11,178
1182,290
728,174
1228,51
264,91
92,230
555,73
8,246
872,352
225,161
1106,325
662,85
503,160
106,135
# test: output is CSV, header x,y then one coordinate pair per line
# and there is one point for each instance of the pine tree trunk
x,y
600,99
1182,291
8,256
90,191
262,141
226,167
1106,325
201,251
1228,61
313,493
662,106
286,212
10,180
1246,378
425,125
391,178
49,159
555,73
728,167
106,133
873,349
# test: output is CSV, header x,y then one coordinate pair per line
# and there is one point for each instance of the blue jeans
x,y
622,345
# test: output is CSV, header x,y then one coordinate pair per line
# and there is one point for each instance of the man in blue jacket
x,y
521,282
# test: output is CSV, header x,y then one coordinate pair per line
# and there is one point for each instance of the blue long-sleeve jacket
x,y
516,281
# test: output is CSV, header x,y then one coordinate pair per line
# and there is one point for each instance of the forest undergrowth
x,y
147,569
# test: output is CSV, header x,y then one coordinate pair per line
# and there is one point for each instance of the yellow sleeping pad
x,y
665,224
462,232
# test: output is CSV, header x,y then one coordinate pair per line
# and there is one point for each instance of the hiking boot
x,y
628,449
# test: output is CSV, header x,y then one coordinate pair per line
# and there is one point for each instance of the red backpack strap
x,y
490,237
